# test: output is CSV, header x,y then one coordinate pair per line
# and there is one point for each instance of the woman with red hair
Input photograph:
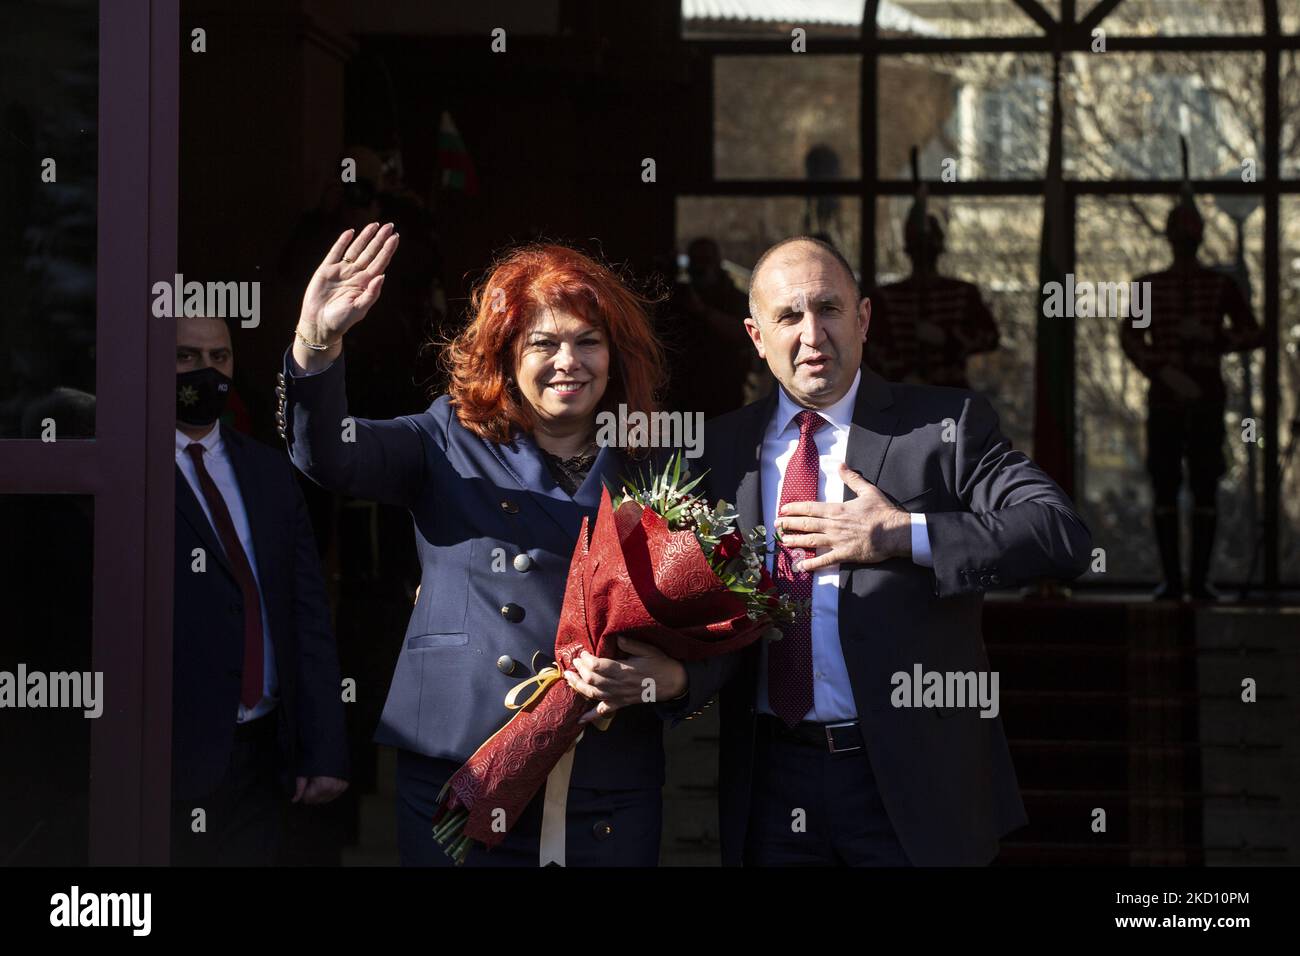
x,y
497,475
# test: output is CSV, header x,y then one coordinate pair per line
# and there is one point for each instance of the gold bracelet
x,y
314,346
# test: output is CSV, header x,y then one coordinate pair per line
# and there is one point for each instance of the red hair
x,y
481,360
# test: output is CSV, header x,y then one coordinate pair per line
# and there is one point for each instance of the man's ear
x,y
864,316
755,335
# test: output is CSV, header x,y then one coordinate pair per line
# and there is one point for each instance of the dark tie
x,y
251,691
789,660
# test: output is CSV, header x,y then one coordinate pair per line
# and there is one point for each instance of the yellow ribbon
x,y
544,678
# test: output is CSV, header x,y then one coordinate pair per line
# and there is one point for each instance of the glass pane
x,y
979,116
1289,13
45,567
1289,368
1183,17
1125,111
958,18
712,365
773,19
992,243
745,226
1289,83
786,117
1117,240
770,19
48,183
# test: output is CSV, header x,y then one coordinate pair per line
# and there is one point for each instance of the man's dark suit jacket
x,y
208,652
994,520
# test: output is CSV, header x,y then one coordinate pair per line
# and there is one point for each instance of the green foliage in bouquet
x,y
738,559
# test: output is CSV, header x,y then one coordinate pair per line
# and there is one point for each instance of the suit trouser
x,y
809,807
244,815
602,827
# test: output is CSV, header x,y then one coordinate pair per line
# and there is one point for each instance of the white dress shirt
x,y
832,691
217,462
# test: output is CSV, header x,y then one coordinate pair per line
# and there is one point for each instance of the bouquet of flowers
x,y
661,566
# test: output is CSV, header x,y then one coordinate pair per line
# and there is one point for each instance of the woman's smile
x,y
567,389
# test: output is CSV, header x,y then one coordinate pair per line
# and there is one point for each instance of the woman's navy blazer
x,y
495,535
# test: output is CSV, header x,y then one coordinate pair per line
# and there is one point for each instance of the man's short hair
x,y
819,243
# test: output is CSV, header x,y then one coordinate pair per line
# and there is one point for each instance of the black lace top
x,y
570,473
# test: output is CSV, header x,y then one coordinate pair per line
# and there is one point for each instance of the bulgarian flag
x,y
453,159
1054,365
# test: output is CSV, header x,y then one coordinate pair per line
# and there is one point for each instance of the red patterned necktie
x,y
789,660
251,689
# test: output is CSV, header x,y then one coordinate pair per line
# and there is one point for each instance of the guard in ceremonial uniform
x,y
1179,351
925,327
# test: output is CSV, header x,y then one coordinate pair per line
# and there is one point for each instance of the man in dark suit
x,y
899,506
257,707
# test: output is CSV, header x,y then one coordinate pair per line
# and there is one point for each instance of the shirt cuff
x,y
921,542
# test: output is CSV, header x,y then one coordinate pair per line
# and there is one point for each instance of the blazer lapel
x,y
189,508
748,462
608,470
872,428
523,461
874,422
254,503
749,450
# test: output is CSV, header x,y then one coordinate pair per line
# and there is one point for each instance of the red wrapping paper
x,y
635,578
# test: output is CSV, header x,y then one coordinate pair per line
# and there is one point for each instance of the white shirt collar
x,y
840,415
211,442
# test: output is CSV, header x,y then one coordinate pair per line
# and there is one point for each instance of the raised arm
x,y
341,291
381,460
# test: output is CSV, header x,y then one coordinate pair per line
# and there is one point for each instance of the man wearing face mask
x,y
257,715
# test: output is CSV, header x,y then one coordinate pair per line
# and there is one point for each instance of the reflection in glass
x,y
1289,373
775,19
744,227
976,116
48,180
992,243
1125,111
767,20
1181,17
786,117
45,588
1288,12
1119,239
1289,106
958,18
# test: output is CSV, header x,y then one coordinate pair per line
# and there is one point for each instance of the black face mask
x,y
201,396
